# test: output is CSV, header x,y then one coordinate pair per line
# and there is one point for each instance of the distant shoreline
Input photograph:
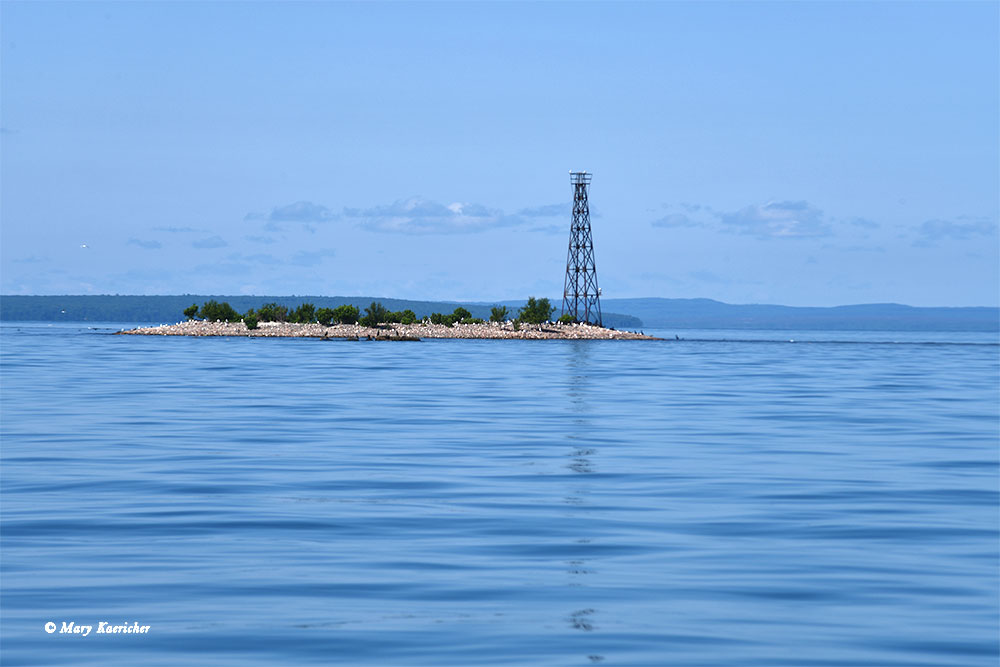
x,y
630,314
391,332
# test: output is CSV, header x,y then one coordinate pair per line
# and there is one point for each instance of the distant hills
x,y
654,313
709,314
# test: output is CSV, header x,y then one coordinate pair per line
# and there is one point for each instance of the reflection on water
x,y
580,620
578,388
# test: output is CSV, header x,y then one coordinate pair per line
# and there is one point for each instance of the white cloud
x,y
677,220
773,220
177,230
782,219
210,242
257,258
300,211
421,216
962,229
311,258
148,245
548,211
863,223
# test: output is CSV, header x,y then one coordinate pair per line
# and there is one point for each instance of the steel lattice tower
x,y
581,296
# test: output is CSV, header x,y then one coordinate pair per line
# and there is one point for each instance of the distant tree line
x,y
136,309
536,311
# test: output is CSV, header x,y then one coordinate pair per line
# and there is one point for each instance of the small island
x,y
378,323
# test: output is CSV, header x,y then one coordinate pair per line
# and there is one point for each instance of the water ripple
x,y
726,498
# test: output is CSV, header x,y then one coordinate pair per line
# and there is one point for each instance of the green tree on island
x,y
375,314
346,314
325,316
213,311
461,315
536,312
304,314
250,319
272,312
405,317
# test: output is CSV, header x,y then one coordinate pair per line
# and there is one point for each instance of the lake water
x,y
730,498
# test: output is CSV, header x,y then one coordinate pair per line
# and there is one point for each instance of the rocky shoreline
x,y
391,332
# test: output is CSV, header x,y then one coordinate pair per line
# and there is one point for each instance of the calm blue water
x,y
726,499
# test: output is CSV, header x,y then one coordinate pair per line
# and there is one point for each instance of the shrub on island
x,y
566,318
213,311
272,312
536,312
346,314
403,316
375,314
325,316
304,314
461,316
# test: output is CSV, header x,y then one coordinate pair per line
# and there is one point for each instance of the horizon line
x,y
489,301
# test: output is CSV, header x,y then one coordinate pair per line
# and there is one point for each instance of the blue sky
x,y
795,153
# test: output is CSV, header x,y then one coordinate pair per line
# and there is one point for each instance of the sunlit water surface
x,y
725,498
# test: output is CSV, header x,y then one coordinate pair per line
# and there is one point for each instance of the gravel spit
x,y
488,330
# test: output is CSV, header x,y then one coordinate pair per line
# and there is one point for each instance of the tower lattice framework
x,y
581,296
